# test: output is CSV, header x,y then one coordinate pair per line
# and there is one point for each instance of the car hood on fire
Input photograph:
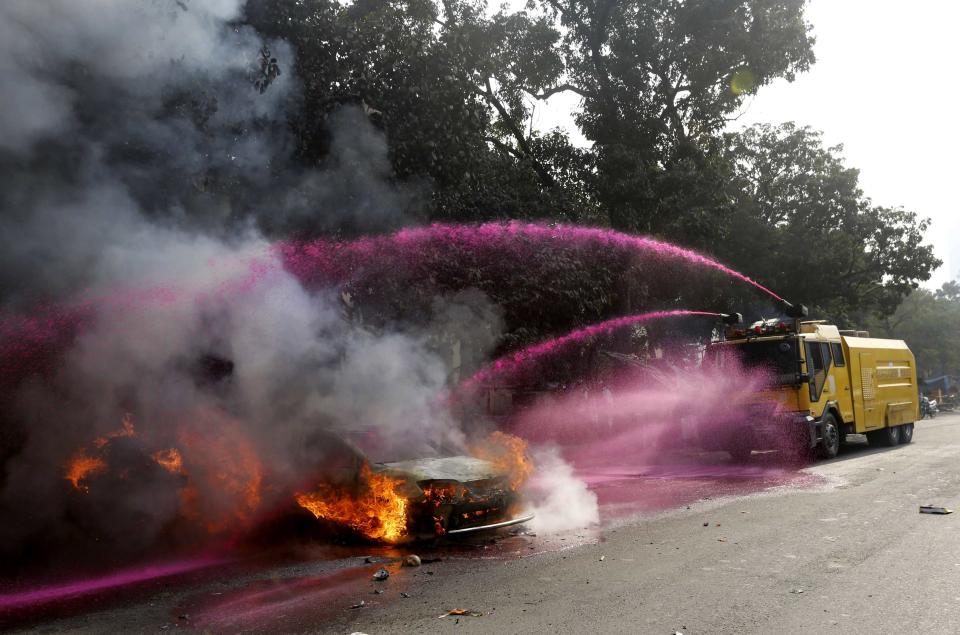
x,y
452,468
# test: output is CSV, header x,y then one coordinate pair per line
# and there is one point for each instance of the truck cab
x,y
821,384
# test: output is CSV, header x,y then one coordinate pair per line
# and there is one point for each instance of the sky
x,y
884,86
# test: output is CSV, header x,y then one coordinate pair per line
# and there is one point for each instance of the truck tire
x,y
906,433
830,442
885,438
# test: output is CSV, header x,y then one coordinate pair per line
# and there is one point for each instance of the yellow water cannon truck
x,y
826,383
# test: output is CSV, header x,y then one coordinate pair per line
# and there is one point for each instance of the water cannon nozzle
x,y
796,310
731,318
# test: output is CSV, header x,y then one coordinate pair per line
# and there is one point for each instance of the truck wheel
x,y
906,433
886,438
830,443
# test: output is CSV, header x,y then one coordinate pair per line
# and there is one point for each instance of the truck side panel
x,y
884,380
862,379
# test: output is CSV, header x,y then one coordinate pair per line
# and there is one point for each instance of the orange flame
x,y
170,460
379,514
509,454
81,466
125,430
224,472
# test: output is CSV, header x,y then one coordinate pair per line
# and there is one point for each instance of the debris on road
x,y
602,558
404,595
706,524
461,612
381,574
358,605
411,561
377,591
933,509
797,591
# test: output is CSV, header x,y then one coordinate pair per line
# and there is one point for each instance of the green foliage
x,y
659,80
422,71
455,88
803,226
930,324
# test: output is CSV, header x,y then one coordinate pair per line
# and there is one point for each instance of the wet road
x,y
852,555
839,547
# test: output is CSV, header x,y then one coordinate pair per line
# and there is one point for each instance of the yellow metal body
x,y
872,386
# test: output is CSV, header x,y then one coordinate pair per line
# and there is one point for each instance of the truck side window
x,y
817,367
838,355
826,356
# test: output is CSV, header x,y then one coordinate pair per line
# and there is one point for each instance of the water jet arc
x,y
515,362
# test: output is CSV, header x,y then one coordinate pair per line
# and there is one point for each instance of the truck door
x,y
865,407
818,366
841,374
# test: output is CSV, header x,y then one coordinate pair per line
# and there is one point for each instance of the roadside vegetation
x,y
456,87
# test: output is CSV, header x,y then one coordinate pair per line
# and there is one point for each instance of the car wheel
x,y
886,438
830,443
906,433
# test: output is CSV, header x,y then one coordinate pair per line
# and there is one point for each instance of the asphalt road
x,y
850,554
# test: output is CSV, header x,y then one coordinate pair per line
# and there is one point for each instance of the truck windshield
x,y
779,358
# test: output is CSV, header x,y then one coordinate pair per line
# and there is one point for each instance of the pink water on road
x,y
514,364
623,492
655,437
52,593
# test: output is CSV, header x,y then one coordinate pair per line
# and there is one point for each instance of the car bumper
x,y
505,523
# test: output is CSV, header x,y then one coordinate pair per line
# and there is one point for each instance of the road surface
x,y
849,554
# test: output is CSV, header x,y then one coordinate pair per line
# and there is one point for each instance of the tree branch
x,y
502,147
518,135
549,92
670,103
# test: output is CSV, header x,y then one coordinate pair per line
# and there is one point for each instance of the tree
x,y
930,324
456,90
804,227
659,79
420,70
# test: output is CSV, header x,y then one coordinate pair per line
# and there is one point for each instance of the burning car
x,y
425,497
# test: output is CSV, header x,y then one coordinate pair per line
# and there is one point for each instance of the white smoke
x,y
143,47
140,167
559,499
